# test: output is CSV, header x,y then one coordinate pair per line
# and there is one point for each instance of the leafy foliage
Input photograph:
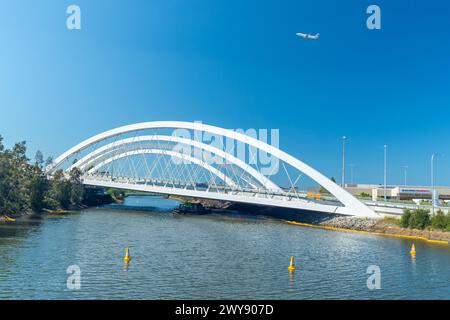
x,y
441,221
421,219
365,195
404,221
25,186
76,187
61,190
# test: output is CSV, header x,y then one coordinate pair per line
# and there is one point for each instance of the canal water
x,y
217,256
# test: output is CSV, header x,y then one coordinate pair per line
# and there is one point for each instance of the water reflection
x,y
292,278
207,257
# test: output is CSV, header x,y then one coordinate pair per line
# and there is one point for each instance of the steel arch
x,y
228,181
353,206
86,160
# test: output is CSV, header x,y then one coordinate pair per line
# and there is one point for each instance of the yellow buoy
x,y
9,219
127,257
413,250
291,265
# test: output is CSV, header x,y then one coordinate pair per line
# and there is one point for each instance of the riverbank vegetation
x,y
25,187
421,219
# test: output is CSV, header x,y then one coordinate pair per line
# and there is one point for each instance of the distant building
x,y
398,192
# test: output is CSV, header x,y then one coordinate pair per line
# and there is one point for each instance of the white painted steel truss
x,y
141,157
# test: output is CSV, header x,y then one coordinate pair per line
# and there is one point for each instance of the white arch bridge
x,y
196,160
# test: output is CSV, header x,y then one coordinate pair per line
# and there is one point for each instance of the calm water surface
x,y
207,257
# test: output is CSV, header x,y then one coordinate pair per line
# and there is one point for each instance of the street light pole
x,y
343,161
432,182
351,172
405,171
385,173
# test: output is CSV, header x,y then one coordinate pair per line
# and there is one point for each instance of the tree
x,y
39,159
77,188
13,177
49,161
38,187
439,220
61,190
19,152
420,219
404,220
25,186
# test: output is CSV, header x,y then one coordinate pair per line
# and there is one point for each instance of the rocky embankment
x,y
384,226
362,224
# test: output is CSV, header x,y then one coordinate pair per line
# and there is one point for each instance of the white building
x,y
398,192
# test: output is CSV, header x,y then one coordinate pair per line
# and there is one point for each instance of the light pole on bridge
x,y
352,166
385,172
405,172
432,183
344,138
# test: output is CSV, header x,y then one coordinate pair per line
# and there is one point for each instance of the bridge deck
x,y
257,197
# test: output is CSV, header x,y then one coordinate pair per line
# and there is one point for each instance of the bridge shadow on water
x,y
311,217
142,208
144,204
156,204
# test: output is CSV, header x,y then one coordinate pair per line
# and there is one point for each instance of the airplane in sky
x,y
308,35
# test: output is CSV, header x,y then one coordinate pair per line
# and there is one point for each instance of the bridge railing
x,y
220,189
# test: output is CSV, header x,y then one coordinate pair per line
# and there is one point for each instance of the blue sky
x,y
237,64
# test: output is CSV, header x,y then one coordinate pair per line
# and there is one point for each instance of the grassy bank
x,y
389,226
383,232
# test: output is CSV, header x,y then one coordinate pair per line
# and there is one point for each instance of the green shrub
x,y
440,220
365,195
420,219
404,221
